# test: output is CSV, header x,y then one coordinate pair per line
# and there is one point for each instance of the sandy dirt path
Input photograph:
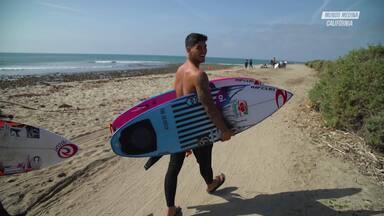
x,y
272,169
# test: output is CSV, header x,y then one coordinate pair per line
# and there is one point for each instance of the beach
x,y
274,168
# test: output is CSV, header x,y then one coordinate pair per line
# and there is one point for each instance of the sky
x,y
255,29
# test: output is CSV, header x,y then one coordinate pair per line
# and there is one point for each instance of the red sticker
x,y
243,108
283,94
67,150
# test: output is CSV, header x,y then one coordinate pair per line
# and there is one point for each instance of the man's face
x,y
198,52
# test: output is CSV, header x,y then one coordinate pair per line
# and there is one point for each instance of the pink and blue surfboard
x,y
182,124
154,101
167,96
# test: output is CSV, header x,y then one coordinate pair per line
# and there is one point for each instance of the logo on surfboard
x,y
222,98
210,139
192,100
240,108
66,150
281,97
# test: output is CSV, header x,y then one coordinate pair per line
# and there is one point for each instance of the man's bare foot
x,y
216,183
174,211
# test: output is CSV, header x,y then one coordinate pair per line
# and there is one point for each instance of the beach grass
x,y
350,93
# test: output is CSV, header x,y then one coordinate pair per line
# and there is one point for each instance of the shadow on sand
x,y
286,203
4,212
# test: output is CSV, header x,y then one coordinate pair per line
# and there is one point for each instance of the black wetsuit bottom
x,y
203,156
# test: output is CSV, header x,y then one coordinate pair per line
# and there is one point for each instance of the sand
x,y
272,169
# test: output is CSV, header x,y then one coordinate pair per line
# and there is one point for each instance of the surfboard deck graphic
x,y
24,148
182,124
170,95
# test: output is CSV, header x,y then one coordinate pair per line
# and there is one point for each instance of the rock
x,y
65,106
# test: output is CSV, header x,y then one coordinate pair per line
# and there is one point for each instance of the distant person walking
x,y
250,63
273,62
246,63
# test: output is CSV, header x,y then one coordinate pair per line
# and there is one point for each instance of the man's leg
x,y
204,158
170,183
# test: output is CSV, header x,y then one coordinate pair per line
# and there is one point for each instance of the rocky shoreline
x,y
16,81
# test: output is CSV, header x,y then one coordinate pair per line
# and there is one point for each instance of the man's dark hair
x,y
194,38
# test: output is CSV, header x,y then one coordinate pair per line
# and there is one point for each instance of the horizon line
x,y
73,53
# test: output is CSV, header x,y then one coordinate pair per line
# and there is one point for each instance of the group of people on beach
x,y
274,64
278,64
248,63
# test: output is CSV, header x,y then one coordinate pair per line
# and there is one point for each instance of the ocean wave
x,y
34,69
19,68
105,62
129,62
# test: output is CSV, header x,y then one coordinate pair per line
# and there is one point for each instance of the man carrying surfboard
x,y
190,78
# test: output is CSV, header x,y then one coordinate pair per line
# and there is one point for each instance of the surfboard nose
x,y
289,95
282,96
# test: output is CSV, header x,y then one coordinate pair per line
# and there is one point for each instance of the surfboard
x,y
182,123
167,96
24,148
154,101
276,65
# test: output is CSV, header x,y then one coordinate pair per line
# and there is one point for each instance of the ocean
x,y
20,64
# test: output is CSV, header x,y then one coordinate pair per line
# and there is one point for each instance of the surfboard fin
x,y
151,161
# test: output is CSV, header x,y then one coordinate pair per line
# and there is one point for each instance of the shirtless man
x,y
190,78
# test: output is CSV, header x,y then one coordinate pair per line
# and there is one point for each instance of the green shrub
x,y
350,93
319,65
373,130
